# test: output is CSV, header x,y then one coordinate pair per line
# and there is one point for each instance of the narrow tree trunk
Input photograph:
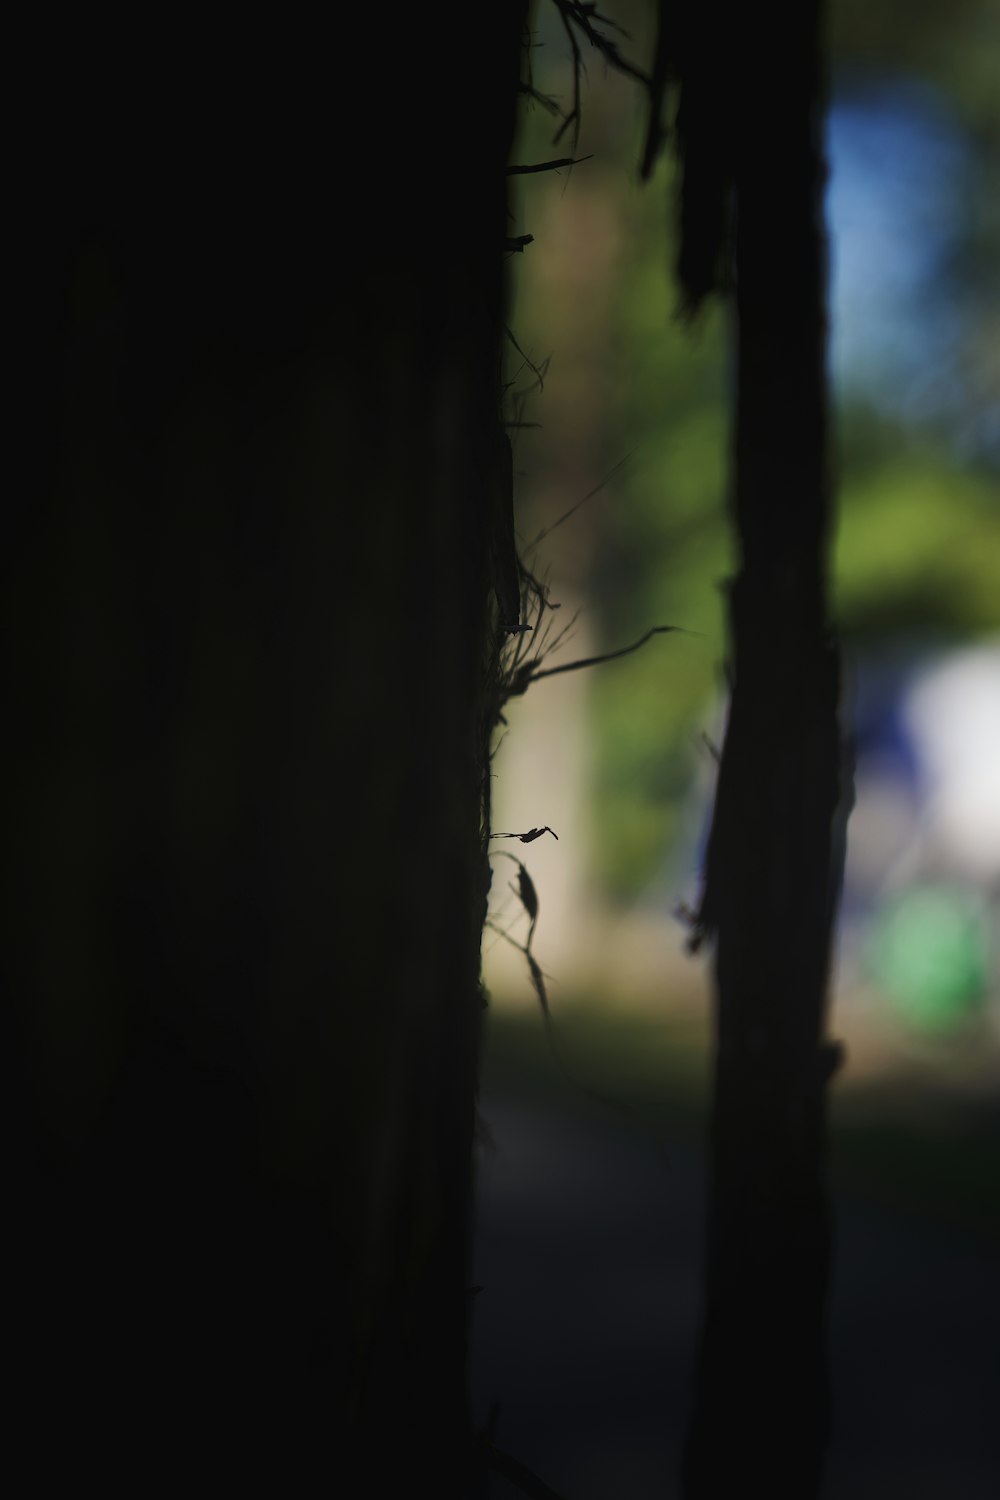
x,y
762,1402
246,599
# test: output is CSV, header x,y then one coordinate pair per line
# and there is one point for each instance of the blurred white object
x,y
953,713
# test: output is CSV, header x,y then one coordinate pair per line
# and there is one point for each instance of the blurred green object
x,y
929,953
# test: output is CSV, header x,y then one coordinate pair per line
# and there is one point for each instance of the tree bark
x,y
761,1414
247,613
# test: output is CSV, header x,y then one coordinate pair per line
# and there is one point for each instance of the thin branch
x,y
522,948
504,932
550,643
587,19
549,166
539,371
550,105
573,118
547,530
593,661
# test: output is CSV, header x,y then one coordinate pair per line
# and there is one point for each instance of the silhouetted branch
x,y
587,19
546,530
573,118
529,837
538,371
550,105
548,166
582,19
593,661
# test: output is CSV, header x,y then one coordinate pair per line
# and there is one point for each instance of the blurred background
x,y
621,474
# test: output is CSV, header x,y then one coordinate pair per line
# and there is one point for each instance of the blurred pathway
x,y
588,1251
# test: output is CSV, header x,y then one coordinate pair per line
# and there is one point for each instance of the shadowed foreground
x,y
588,1251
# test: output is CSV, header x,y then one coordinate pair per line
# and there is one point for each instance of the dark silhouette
x,y
749,125
247,584
256,579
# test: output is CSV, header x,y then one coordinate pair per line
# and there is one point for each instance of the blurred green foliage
x,y
930,953
917,546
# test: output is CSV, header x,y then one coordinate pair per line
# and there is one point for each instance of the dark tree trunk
x,y
762,1403
247,623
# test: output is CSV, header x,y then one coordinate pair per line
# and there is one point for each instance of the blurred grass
x,y
911,1140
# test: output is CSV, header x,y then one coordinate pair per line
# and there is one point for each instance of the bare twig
x,y
547,530
548,166
593,661
550,105
539,371
573,118
587,19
